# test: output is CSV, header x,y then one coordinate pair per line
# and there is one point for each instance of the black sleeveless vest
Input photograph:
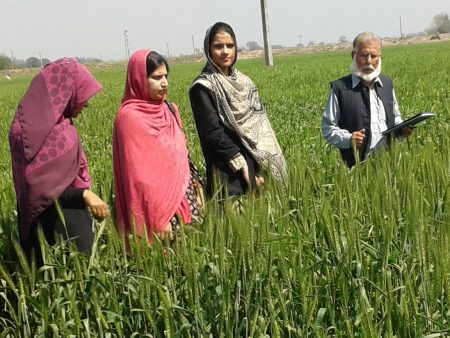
x,y
354,106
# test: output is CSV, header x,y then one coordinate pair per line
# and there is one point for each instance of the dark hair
x,y
154,61
221,27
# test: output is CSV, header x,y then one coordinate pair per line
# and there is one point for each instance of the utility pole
x,y
193,44
265,22
300,38
40,57
13,60
401,31
127,46
167,44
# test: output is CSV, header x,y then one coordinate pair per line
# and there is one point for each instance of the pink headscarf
x,y
47,156
150,158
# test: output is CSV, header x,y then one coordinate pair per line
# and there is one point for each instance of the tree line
x,y
34,62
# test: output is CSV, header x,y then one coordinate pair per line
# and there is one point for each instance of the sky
x,y
93,28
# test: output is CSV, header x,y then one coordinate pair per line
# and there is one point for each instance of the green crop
x,y
339,253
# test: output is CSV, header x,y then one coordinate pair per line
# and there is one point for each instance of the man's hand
x,y
358,138
407,131
98,208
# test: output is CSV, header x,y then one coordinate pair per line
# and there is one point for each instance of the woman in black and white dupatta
x,y
237,139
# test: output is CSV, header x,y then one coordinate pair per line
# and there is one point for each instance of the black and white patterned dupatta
x,y
241,110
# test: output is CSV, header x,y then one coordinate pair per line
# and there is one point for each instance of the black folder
x,y
410,122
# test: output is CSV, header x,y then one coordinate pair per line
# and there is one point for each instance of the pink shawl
x,y
47,156
150,158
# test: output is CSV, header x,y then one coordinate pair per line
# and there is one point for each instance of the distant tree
x,y
94,60
253,45
19,63
33,62
277,46
5,62
440,24
45,61
88,60
311,43
342,39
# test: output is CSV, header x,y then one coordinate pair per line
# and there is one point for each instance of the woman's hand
x,y
246,175
166,232
259,181
98,208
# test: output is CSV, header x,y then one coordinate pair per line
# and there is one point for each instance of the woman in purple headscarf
x,y
49,164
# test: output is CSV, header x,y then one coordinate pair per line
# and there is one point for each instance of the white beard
x,y
365,77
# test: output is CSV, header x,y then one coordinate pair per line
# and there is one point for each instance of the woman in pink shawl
x,y
48,161
154,186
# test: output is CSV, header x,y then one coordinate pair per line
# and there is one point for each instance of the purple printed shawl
x,y
47,156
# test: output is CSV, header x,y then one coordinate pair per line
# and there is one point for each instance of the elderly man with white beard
x,y
361,105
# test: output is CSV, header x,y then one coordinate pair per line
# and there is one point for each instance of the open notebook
x,y
410,122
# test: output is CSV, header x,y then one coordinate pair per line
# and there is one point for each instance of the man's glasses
x,y
366,56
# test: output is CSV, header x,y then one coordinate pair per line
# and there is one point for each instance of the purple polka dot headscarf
x,y
47,156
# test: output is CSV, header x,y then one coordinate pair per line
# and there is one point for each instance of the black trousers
x,y
78,229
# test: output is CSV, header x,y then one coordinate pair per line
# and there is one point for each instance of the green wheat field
x,y
339,253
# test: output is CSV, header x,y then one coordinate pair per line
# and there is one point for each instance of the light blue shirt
x,y
341,138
